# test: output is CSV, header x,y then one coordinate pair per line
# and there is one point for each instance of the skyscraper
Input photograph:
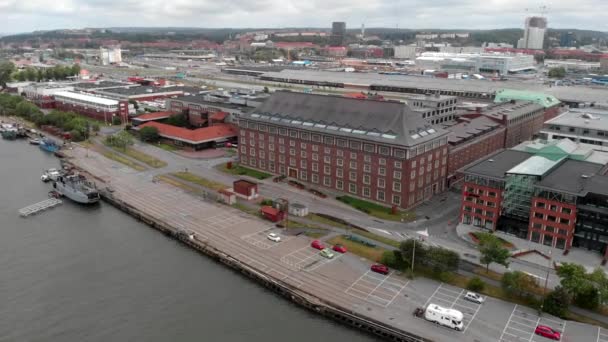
x,y
338,32
534,33
566,39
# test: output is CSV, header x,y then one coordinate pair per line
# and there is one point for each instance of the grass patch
x,y
192,178
244,171
126,161
505,243
316,234
144,158
370,253
292,224
167,147
584,319
320,219
376,237
377,210
242,207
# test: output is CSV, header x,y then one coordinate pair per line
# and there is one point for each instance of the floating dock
x,y
40,206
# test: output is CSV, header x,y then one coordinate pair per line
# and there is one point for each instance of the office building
x,y
584,125
112,55
534,34
338,33
95,107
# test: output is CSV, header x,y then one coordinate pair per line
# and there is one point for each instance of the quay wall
x,y
300,297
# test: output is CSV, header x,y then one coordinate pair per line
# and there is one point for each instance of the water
x,y
76,273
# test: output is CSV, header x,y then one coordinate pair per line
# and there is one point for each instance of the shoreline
x,y
300,297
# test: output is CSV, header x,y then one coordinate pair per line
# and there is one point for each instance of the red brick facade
x,y
470,151
523,128
363,169
551,112
552,223
198,114
96,113
480,205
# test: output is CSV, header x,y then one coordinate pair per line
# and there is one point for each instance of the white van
x,y
447,317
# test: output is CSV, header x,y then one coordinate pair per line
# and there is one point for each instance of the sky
x,y
31,15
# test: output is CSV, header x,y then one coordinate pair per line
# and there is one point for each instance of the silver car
x,y
474,297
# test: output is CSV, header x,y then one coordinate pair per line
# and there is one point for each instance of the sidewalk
x,y
588,259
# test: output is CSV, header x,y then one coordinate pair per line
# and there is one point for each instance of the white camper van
x,y
447,317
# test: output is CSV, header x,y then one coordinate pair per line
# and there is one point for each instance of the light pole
x,y
542,304
413,256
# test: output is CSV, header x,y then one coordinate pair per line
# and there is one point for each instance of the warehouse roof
x,y
470,128
387,121
86,97
511,110
193,136
497,165
584,118
101,84
143,90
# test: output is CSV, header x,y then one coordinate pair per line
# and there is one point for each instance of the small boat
x,y
35,141
50,175
77,188
49,145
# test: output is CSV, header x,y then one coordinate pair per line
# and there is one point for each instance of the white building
x,y
405,51
534,33
572,64
112,55
582,125
474,62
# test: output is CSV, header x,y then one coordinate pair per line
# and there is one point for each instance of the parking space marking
x,y
602,335
260,239
454,299
307,259
521,326
377,290
504,331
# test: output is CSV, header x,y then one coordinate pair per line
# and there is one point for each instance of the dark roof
x,y
142,90
511,109
201,99
470,128
100,84
387,121
497,165
576,177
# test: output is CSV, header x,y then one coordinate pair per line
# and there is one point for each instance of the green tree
x,y
95,128
572,278
121,140
179,120
149,134
600,281
30,74
587,297
76,135
116,120
266,90
556,303
492,250
6,72
476,284
25,109
19,76
518,283
557,72
75,70
407,248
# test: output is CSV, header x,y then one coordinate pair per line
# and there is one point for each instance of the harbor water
x,y
75,273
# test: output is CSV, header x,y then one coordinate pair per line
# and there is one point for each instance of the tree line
x,y
78,126
8,73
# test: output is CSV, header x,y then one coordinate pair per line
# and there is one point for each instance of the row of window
x,y
553,207
345,143
479,201
585,131
550,229
552,218
548,240
478,211
480,192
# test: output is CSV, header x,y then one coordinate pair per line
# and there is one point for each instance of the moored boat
x,y
77,188
49,145
35,141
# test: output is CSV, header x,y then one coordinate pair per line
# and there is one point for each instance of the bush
x,y
266,202
556,302
587,298
149,134
116,120
76,135
517,283
476,284
388,259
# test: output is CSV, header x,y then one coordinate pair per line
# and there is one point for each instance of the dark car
x,y
547,332
379,268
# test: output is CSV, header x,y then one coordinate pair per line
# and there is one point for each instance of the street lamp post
x,y
413,256
542,304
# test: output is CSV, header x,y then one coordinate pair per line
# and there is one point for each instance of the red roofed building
x,y
151,117
218,117
195,139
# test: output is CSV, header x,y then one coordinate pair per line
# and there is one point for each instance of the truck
x,y
450,318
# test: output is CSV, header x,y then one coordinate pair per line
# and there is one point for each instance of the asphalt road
x,y
345,279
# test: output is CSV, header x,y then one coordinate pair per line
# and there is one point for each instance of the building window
x,y
303,145
566,210
327,150
303,154
327,159
315,156
243,149
397,174
382,161
340,153
382,171
339,185
396,199
551,218
303,175
292,151
353,155
252,152
563,232
352,188
315,167
339,173
271,156
293,134
315,148
380,195
252,161
553,207
262,154
262,164
271,166
292,143
315,178
367,168
537,226
339,162
271,147
352,175
353,165
366,179
281,169
281,149
366,192
397,186
326,170
381,183
398,165
535,237
327,181
367,158
281,158
303,163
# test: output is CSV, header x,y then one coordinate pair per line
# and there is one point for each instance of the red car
x,y
547,332
379,268
339,249
317,245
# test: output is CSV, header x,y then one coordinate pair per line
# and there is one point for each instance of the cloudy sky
x,y
29,15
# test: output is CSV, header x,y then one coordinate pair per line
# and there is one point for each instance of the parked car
x,y
474,297
339,249
274,237
317,245
548,332
379,268
326,253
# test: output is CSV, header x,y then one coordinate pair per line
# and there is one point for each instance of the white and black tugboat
x,y
77,188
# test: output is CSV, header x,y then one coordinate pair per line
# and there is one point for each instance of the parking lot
x,y
307,258
523,322
602,335
260,239
452,297
377,288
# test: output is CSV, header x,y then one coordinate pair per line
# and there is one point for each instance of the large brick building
x,y
95,107
375,150
556,196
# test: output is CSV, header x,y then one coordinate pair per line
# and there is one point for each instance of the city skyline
x,y
32,15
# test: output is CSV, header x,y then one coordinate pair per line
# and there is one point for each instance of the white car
x,y
274,237
474,297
